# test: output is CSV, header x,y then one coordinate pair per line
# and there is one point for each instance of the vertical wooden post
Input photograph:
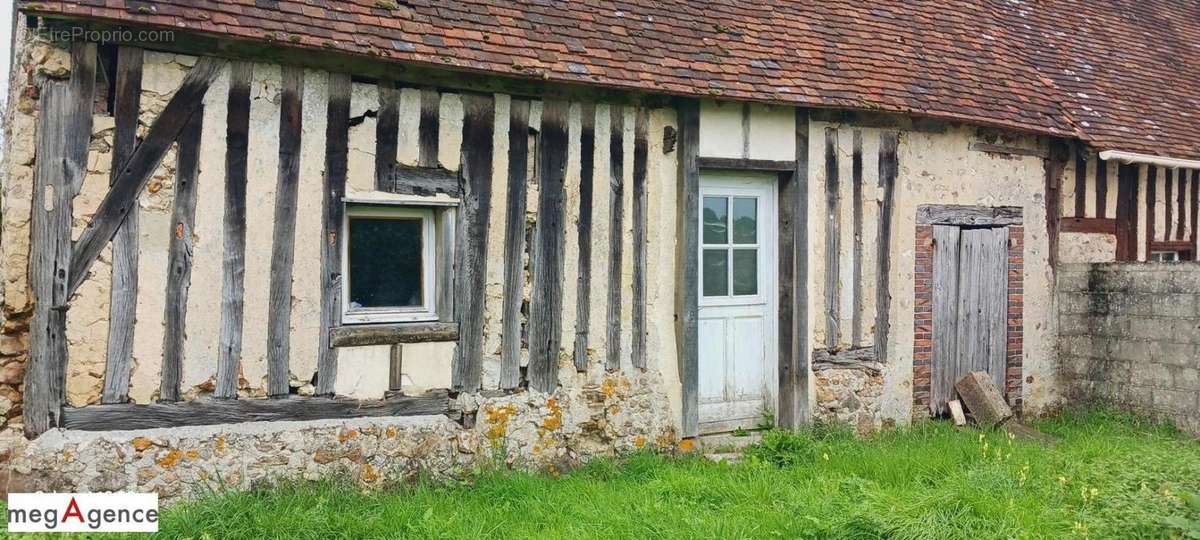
x,y
856,188
1080,181
616,211
387,131
640,155
396,368
427,129
832,238
545,319
793,285
64,129
1127,213
1056,163
283,248
514,244
123,292
237,136
583,305
179,261
337,129
688,289
1151,207
1101,188
472,236
888,169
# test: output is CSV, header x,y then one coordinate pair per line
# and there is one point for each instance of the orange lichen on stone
x,y
687,445
552,421
347,435
170,459
368,473
193,454
609,387
141,443
391,432
220,444
639,442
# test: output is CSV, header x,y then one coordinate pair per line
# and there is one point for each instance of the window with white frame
x,y
389,264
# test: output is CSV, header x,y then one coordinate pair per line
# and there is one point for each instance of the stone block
x,y
1186,280
1073,303
1174,305
1072,281
1151,329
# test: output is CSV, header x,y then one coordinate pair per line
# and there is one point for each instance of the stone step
x,y
718,443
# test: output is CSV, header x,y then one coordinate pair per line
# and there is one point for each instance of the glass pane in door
x,y
715,272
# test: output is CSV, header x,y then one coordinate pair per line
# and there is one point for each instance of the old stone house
x,y
267,238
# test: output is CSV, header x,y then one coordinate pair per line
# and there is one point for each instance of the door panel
x,y
737,300
970,307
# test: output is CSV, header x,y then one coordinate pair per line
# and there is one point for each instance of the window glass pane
x,y
385,262
715,270
716,217
745,220
745,271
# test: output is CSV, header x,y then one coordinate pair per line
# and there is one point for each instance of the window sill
x,y
389,334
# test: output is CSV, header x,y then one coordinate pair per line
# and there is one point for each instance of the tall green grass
x,y
1109,476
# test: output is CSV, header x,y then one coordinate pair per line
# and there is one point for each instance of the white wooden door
x,y
737,318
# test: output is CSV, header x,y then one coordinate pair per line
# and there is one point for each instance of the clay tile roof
x,y
1121,74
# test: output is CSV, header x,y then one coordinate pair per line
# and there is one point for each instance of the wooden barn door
x,y
970,306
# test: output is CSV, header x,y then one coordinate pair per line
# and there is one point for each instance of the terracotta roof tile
x,y
1121,74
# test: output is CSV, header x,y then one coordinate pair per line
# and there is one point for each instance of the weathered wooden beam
x,y
744,164
640,154
545,306
1005,149
583,294
514,244
616,240
472,238
790,216
859,358
953,214
179,258
1058,154
396,367
387,131
1151,195
856,205
1168,182
233,272
388,334
58,169
1125,224
83,92
1101,188
445,227
225,411
801,372
889,167
337,130
688,289
1182,178
945,315
1195,210
410,180
122,298
427,129
833,236
283,246
1080,182
1089,225
122,196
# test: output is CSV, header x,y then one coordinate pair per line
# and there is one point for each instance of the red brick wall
x,y
923,315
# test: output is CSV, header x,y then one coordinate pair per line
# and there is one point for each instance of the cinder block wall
x,y
1129,335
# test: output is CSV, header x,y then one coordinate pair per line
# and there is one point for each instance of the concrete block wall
x,y
1129,335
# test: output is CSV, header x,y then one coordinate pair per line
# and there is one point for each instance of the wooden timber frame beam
x,y
136,172
57,268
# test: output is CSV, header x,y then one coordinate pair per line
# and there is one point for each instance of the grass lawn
x,y
1109,476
